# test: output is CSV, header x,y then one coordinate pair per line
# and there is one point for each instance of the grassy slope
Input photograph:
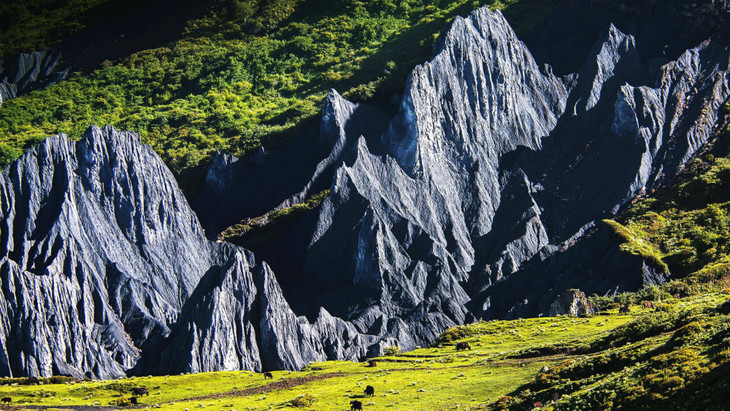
x,y
221,88
427,378
677,357
505,356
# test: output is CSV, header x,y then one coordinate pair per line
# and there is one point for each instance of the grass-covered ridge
x,y
245,76
685,229
253,231
503,367
677,357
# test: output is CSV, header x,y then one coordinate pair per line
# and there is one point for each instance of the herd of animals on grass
x,y
563,360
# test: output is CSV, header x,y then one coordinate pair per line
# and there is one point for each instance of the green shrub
x,y
7,154
391,350
633,243
304,400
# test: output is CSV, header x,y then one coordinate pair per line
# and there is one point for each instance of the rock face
x,y
103,265
481,198
29,71
572,302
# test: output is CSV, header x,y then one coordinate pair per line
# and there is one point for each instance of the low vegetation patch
x,y
657,361
251,232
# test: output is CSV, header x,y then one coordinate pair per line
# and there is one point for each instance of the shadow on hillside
x,y
119,28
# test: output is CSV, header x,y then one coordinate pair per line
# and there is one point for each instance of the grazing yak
x,y
624,309
355,405
7,400
462,346
133,401
369,391
268,375
140,391
372,363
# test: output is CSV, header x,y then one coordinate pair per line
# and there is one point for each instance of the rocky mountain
x,y
482,197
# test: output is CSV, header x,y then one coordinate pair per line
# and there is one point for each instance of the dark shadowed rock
x,y
29,71
269,179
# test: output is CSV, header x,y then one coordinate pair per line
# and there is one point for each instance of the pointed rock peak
x,y
362,147
335,113
109,134
483,22
98,143
323,316
617,37
334,103
491,22
332,96
613,50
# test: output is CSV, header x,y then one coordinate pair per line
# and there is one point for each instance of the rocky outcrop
x,y
484,196
572,302
99,250
29,71
105,268
238,319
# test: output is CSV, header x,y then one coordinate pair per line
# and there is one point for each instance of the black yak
x,y
140,391
462,346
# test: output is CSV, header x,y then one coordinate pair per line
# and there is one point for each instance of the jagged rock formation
x,y
29,71
481,198
101,259
484,196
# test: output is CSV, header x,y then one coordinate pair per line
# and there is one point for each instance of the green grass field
x,y
505,356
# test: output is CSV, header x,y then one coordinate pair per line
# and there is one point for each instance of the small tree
x,y
392,350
